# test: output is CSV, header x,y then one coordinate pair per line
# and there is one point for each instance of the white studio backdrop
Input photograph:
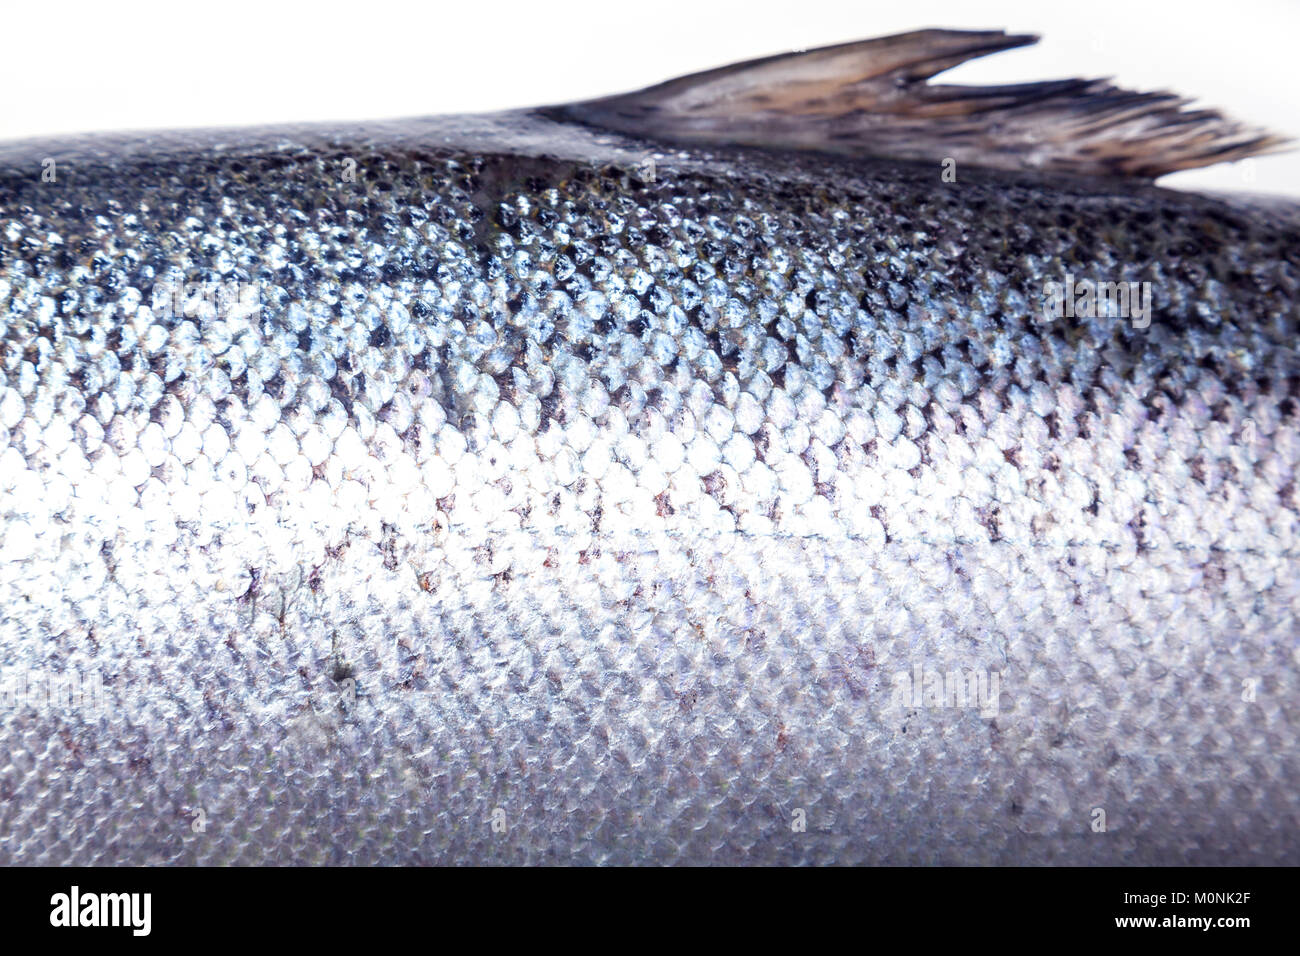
x,y
138,65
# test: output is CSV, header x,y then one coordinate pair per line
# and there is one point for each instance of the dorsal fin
x,y
871,98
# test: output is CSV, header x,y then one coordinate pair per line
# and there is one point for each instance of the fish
x,y
795,463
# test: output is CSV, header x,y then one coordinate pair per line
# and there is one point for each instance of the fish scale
x,y
537,507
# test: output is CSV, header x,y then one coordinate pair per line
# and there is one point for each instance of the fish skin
x,y
618,499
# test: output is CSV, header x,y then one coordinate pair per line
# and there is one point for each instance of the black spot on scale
x,y
380,336
341,671
275,385
659,236
339,390
552,408
715,484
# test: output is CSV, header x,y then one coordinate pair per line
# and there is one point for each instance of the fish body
x,y
503,489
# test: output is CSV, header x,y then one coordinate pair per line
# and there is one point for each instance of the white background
x,y
82,66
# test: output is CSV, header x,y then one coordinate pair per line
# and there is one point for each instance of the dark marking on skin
x,y
216,711
552,408
138,759
715,485
1053,426
855,669
878,512
110,561
773,512
249,597
339,390
1214,574
910,715
275,385
73,748
1138,527
989,519
388,546
1286,494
